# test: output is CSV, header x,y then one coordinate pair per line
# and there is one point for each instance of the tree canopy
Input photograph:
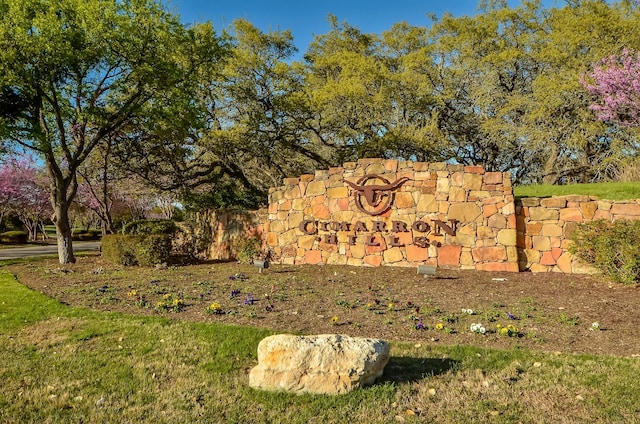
x,y
74,73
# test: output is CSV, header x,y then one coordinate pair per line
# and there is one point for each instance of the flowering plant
x,y
595,326
238,276
467,311
170,303
439,326
478,328
509,330
334,320
214,309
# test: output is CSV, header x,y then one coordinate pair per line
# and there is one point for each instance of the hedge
x,y
14,237
129,250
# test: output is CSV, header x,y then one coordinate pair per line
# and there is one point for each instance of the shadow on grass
x,y
405,369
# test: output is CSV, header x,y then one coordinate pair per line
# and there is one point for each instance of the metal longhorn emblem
x,y
378,197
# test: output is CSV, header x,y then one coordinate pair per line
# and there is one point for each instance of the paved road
x,y
23,252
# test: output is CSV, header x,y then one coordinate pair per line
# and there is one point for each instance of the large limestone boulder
x,y
323,364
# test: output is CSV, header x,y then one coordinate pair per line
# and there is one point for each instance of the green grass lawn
x,y
63,364
604,191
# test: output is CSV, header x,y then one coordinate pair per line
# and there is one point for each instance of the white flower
x,y
595,326
478,328
467,311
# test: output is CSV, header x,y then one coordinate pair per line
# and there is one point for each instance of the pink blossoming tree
x,y
615,82
24,191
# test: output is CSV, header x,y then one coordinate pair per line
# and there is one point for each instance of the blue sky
x,y
306,18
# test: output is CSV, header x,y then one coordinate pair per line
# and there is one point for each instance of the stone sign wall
x,y
388,212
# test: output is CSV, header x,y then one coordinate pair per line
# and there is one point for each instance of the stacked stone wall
x,y
217,234
443,215
545,226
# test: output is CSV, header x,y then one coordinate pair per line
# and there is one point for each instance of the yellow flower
x,y
334,320
215,306
439,326
391,305
166,296
132,293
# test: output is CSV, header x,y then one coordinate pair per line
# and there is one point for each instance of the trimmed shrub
x,y
85,235
145,227
143,250
14,237
613,248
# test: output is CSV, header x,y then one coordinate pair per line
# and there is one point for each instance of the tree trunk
x,y
63,233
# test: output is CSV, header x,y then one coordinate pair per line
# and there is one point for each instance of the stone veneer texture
x,y
545,226
482,203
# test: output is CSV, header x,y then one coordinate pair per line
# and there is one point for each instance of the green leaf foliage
x,y
143,250
613,248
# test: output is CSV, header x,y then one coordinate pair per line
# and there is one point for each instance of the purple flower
x,y
235,292
510,316
249,300
232,278
419,326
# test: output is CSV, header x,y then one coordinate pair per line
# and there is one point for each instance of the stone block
x,y
489,210
533,228
392,255
324,364
457,194
292,193
554,202
507,237
338,192
588,209
493,178
373,260
489,254
571,215
475,169
442,185
551,230
498,267
464,212
321,212
497,221
391,165
306,242
316,188
625,210
288,238
541,243
472,182
416,254
449,255
530,202
271,239
336,258
404,200
547,259
543,214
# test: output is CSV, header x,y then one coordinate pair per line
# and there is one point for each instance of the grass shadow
x,y
406,369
